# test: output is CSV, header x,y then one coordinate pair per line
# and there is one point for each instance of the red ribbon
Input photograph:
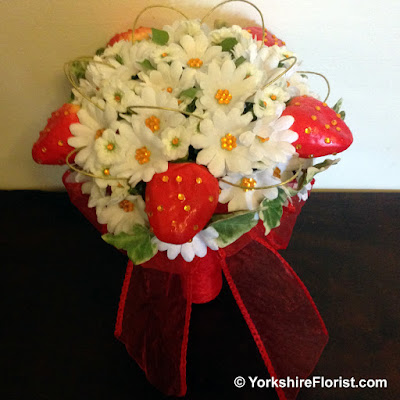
x,y
155,306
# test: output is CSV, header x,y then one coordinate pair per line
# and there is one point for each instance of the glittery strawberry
x,y
140,34
269,39
321,130
52,146
180,201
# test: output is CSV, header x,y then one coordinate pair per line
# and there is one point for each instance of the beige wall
x,y
351,42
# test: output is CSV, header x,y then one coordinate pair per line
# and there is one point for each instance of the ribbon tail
x,y
153,323
280,313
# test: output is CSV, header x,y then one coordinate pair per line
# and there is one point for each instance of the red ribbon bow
x,y
156,300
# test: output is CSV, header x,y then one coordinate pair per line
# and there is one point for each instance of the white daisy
x,y
92,123
122,216
176,142
270,101
156,120
171,78
226,87
198,53
186,27
144,155
218,35
222,152
271,141
249,198
109,147
196,247
119,94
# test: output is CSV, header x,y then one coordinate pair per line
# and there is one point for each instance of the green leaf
x,y
119,59
159,37
78,69
138,245
100,51
308,176
240,61
231,227
337,106
228,44
271,211
342,115
191,93
146,65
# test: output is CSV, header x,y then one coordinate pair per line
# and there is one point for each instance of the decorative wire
x,y
82,172
242,1
150,7
169,109
322,76
264,187
70,77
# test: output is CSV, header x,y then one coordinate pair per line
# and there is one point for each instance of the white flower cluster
x,y
230,121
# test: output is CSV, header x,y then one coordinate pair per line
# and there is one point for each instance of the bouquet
x,y
192,148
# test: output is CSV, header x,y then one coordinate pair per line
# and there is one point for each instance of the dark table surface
x,y
61,285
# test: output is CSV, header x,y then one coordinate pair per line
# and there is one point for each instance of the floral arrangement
x,y
189,95
185,139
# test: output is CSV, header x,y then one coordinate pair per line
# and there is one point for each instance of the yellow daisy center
x,y
228,142
223,96
248,184
195,63
126,205
153,123
143,155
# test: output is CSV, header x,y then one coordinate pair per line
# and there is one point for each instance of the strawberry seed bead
x,y
248,184
334,122
314,117
339,116
338,129
228,142
327,140
195,227
160,208
307,131
181,196
60,143
153,123
143,155
195,63
179,179
210,199
44,149
199,180
298,146
223,96
165,178
187,208
126,205
318,108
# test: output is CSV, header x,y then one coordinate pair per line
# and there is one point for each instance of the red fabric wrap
x,y
154,311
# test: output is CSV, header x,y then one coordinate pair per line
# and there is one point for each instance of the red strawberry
x,y
270,39
180,201
321,130
52,146
140,34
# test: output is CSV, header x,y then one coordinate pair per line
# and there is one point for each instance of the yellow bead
x,y
179,179
165,178
187,208
181,196
160,208
199,180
